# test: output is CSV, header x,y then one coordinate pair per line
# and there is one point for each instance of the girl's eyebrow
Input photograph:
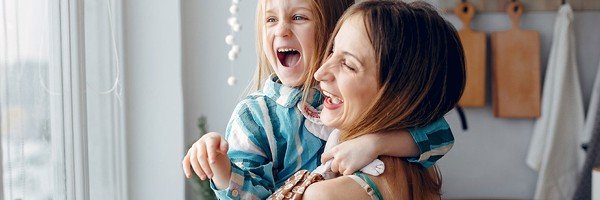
x,y
270,11
302,7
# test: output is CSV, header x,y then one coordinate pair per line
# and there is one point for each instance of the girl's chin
x,y
292,81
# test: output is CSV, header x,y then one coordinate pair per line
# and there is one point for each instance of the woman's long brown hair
x,y
421,78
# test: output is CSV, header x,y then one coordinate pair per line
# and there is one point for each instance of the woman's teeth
x,y
334,99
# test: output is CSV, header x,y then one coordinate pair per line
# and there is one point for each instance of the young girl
x,y
268,137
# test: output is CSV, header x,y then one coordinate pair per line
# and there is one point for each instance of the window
x,y
61,110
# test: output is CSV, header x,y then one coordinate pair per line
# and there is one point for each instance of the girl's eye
x,y
298,17
271,19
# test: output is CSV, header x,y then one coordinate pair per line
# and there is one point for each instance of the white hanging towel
x,y
554,143
591,118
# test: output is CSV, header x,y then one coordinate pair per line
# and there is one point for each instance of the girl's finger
x,y
203,160
347,171
351,170
187,168
212,147
342,167
224,146
195,164
334,166
328,155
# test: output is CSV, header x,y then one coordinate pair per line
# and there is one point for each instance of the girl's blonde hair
x,y
421,73
325,13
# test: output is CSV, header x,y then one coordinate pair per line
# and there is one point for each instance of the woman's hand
x,y
352,155
208,158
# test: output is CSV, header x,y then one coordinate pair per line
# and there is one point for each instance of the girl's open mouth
x,y
288,57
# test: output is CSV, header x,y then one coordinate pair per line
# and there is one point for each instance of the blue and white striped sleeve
x,y
251,166
433,140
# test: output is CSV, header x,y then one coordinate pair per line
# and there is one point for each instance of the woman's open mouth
x,y
331,101
288,57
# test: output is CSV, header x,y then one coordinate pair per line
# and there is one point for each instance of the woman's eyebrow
x,y
346,53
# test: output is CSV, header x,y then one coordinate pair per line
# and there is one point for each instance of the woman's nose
x,y
324,73
283,29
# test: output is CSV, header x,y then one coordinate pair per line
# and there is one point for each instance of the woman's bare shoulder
x,y
338,188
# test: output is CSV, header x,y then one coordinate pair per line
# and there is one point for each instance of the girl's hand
x,y
352,155
208,158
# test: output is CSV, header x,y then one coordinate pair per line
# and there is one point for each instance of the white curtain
x,y
27,88
60,109
555,140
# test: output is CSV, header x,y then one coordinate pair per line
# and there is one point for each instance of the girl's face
x,y
348,78
289,38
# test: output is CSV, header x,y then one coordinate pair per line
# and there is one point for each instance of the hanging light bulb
x,y
232,55
236,48
235,25
231,80
229,40
233,9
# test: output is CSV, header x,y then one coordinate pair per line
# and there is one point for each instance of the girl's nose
x,y
283,29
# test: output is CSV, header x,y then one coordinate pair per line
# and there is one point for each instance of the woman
x,y
391,66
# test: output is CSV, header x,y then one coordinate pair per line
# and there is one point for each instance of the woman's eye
x,y
348,66
271,19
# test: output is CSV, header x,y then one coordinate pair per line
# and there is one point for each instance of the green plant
x,y
201,189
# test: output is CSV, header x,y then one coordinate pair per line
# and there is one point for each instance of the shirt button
x,y
235,192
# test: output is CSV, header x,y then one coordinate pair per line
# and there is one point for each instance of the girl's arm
x,y
252,173
423,145
209,160
396,143
352,155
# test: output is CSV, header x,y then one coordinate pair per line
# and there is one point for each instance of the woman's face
x,y
348,78
289,38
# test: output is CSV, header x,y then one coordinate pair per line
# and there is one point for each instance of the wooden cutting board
x,y
474,45
516,69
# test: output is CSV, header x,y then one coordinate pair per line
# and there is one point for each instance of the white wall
x,y
205,64
154,104
487,161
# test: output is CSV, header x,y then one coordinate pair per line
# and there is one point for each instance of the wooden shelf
x,y
530,5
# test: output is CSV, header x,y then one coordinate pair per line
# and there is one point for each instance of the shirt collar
x,y
285,96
